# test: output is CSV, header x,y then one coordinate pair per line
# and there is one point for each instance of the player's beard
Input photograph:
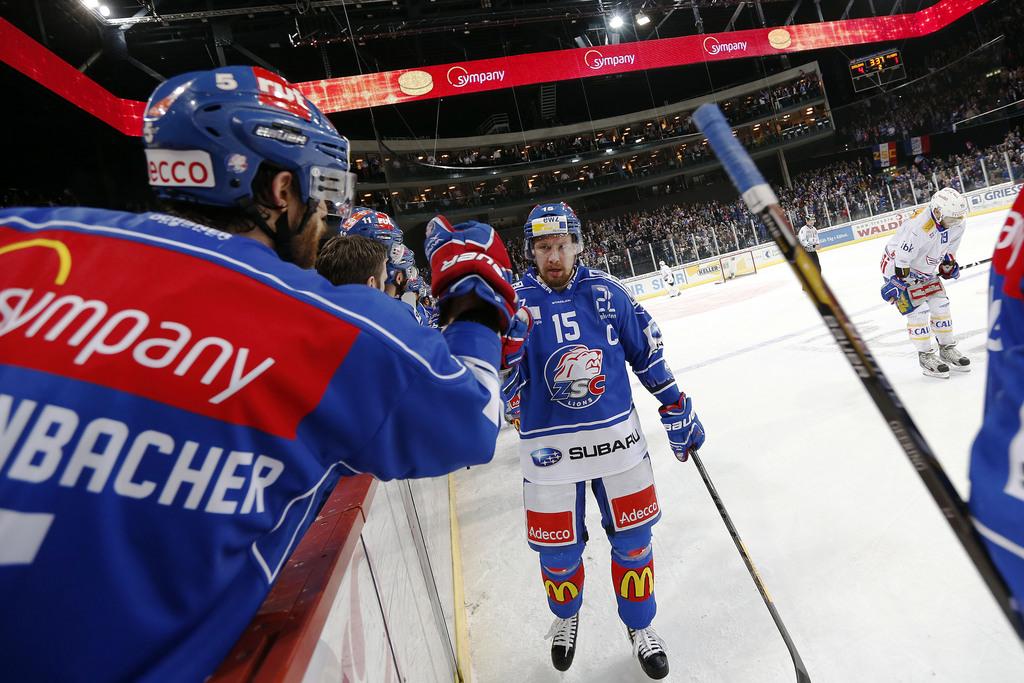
x,y
305,244
557,280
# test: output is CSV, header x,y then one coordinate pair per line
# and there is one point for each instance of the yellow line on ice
x,y
464,668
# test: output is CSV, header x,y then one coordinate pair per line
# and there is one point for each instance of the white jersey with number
x,y
808,237
666,274
920,246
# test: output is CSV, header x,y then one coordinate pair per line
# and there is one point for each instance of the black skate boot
x,y
650,650
563,646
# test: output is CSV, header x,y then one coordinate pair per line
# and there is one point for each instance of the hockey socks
x,y
633,583
564,588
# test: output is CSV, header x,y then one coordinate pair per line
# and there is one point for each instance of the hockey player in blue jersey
x,y
178,390
997,457
578,424
379,226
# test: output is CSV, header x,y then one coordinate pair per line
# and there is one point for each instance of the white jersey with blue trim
x,y
174,404
920,246
578,421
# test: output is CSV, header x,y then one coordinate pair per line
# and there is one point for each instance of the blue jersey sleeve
x,y
997,458
426,382
641,340
512,382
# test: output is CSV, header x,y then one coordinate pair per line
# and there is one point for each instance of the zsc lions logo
x,y
574,376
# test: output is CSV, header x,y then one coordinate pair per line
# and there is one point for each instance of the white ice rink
x,y
866,574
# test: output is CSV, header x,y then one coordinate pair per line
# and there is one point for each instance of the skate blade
x,y
933,373
960,368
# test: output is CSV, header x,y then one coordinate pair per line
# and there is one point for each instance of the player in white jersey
x,y
922,251
808,237
669,278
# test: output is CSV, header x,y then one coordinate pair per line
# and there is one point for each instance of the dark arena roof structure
x,y
128,46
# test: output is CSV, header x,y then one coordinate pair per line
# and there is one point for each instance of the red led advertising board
x,y
447,80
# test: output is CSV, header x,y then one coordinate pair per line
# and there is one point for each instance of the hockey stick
x,y
761,200
976,263
801,670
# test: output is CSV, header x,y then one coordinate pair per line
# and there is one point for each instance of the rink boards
x,y
987,200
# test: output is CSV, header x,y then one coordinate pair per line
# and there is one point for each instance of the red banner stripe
x,y
459,78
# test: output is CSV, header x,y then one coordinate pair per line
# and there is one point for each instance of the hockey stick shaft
x,y
801,671
976,263
761,200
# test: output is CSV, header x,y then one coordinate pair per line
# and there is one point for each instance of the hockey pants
x,y
814,257
936,311
556,529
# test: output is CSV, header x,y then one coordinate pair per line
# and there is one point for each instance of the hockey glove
x,y
949,269
512,412
467,259
515,337
895,292
683,426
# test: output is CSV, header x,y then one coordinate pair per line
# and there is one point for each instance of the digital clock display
x,y
880,62
877,69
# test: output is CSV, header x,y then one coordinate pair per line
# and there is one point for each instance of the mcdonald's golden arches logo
x,y
558,591
635,585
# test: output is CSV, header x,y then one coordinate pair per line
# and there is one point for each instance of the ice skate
x,y
956,361
563,645
932,366
650,650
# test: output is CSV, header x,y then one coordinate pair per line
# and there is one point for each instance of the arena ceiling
x,y
310,39
131,45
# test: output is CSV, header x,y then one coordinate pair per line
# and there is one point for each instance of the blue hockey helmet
x,y
378,226
551,219
207,132
407,265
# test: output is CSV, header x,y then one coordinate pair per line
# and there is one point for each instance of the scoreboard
x,y
876,70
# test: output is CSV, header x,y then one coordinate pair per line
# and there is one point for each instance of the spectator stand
x,y
649,148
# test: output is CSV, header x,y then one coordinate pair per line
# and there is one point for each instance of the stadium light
x,y
105,11
91,4
616,21
642,19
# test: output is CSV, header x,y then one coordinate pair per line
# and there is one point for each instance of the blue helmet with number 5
x,y
551,219
206,133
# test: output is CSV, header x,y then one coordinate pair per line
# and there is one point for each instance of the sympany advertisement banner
x,y
447,80
26,55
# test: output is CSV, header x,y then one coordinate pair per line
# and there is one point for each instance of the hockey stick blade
x,y
761,200
801,671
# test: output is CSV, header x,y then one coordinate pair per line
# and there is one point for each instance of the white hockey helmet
x,y
949,208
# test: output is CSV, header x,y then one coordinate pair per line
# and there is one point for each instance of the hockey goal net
x,y
736,265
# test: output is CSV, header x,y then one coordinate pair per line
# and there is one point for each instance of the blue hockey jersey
x,y
997,456
174,401
577,416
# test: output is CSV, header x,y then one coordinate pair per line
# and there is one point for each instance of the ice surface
x,y
867,576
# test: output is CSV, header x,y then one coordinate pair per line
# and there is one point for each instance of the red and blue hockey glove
x,y
470,259
515,337
949,269
683,427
